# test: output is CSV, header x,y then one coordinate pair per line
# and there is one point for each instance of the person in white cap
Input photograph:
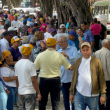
x,y
88,81
62,33
25,71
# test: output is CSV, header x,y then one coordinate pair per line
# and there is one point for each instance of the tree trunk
x,y
80,10
9,3
46,7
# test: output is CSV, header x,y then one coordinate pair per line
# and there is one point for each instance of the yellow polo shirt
x,y
50,62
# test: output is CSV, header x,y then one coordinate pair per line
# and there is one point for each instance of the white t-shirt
x,y
7,72
84,84
57,36
24,69
14,24
4,45
47,35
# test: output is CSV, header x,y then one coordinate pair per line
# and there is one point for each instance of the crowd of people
x,y
65,57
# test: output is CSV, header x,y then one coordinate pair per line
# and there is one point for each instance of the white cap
x,y
12,29
62,26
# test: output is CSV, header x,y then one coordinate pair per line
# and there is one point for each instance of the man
x,y
15,23
62,33
79,52
3,30
26,79
52,31
24,29
66,75
7,20
88,35
13,30
33,30
88,81
55,22
2,22
47,34
5,42
104,56
49,63
31,26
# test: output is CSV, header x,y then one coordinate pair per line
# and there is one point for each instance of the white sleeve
x,y
33,70
5,72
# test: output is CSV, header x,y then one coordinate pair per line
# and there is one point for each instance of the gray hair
x,y
33,40
104,42
64,38
25,39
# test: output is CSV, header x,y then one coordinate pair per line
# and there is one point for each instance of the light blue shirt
x,y
66,75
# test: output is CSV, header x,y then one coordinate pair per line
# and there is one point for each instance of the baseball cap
x,y
85,43
14,39
26,49
72,33
16,14
5,53
62,26
7,33
51,30
41,19
51,42
5,15
29,19
24,21
31,24
12,29
33,29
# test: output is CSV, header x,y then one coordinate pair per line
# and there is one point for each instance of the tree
x,y
65,8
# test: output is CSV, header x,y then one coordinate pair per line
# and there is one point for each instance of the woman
x,y
80,34
96,29
44,25
8,75
3,94
72,23
40,43
15,41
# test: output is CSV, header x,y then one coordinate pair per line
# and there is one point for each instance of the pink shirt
x,y
41,28
96,28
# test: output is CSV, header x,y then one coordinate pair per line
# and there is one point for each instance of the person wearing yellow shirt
x,y
49,63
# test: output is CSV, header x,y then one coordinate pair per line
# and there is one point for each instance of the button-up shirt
x,y
66,75
88,36
104,56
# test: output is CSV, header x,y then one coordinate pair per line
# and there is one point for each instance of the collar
x,y
50,49
6,40
86,30
67,47
87,59
105,48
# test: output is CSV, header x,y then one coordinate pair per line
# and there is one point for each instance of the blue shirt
x,y
82,37
71,43
30,36
80,54
15,53
66,75
76,41
88,36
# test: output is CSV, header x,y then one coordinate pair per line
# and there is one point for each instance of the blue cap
x,y
5,15
72,33
31,24
29,19
24,21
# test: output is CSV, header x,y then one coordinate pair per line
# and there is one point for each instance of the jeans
x,y
81,102
97,40
3,98
28,101
65,90
12,97
52,86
